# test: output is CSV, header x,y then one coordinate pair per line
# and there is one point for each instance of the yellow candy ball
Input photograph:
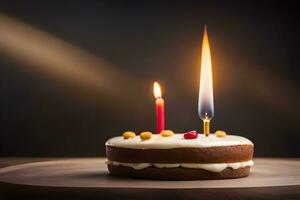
x,y
128,134
146,135
220,133
167,133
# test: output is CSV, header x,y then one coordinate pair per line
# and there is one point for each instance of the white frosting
x,y
177,141
213,167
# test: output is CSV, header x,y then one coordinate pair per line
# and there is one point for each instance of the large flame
x,y
206,99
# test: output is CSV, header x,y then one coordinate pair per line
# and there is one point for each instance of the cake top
x,y
177,141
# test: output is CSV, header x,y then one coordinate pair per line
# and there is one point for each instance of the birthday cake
x,y
189,156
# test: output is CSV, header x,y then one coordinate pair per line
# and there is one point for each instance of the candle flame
x,y
156,90
206,101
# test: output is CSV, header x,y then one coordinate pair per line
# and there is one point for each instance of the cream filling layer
x,y
212,167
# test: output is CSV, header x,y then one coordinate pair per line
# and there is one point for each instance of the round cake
x,y
178,158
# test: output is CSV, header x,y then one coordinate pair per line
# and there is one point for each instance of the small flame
x,y
206,100
156,89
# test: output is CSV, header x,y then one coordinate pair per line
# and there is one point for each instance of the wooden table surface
x,y
80,178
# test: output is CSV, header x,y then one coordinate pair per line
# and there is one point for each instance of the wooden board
x,y
277,178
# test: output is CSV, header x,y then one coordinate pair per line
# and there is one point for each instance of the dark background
x,y
255,55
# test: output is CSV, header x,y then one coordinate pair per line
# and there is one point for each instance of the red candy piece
x,y
190,135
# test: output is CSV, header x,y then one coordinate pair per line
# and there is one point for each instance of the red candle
x,y
160,108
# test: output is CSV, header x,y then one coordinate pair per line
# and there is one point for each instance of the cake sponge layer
x,y
220,154
177,173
